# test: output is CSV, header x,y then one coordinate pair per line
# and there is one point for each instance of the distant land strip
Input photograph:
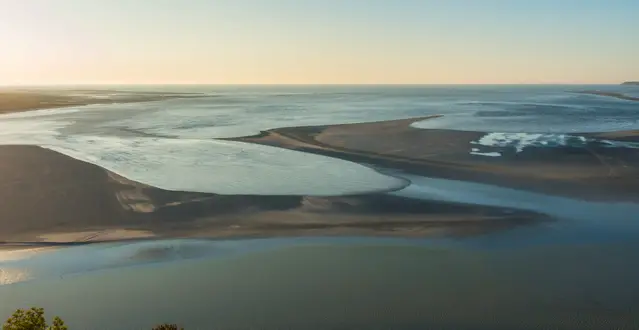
x,y
611,94
19,101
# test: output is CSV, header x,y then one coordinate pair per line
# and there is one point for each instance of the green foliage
x,y
32,319
167,327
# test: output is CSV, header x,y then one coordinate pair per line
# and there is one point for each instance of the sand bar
x,y
46,197
593,172
620,96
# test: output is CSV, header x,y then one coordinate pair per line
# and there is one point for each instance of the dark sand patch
x,y
624,136
594,172
46,193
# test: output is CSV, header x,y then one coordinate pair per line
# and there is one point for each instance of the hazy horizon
x,y
310,42
308,84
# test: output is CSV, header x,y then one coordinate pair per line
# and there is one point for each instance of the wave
x,y
520,141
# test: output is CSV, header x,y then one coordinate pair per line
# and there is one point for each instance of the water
x,y
174,145
328,284
568,273
145,141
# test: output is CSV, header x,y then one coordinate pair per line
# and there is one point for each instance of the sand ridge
x,y
47,197
593,172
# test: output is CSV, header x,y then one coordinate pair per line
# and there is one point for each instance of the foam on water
x,y
475,151
520,141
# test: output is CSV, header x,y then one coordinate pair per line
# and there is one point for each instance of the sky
x,y
318,41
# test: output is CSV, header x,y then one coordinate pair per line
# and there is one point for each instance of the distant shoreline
x,y
611,94
22,99
12,101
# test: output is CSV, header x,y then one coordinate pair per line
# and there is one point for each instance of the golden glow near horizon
x,y
316,42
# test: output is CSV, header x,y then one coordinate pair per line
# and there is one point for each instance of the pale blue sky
x,y
318,41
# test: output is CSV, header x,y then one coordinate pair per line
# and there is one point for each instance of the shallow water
x,y
359,283
145,141
579,270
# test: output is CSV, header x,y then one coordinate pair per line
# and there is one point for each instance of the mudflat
x,y
47,197
593,172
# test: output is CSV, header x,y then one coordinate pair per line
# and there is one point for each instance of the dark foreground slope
x,y
46,196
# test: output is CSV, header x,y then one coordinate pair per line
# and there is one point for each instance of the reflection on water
x,y
490,195
82,259
10,275
7,255
316,284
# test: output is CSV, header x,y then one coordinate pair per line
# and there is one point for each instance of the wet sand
x,y
592,173
47,197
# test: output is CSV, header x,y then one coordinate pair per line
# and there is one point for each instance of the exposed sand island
x,y
594,172
611,94
47,197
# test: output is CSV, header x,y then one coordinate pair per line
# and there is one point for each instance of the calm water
x,y
337,284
